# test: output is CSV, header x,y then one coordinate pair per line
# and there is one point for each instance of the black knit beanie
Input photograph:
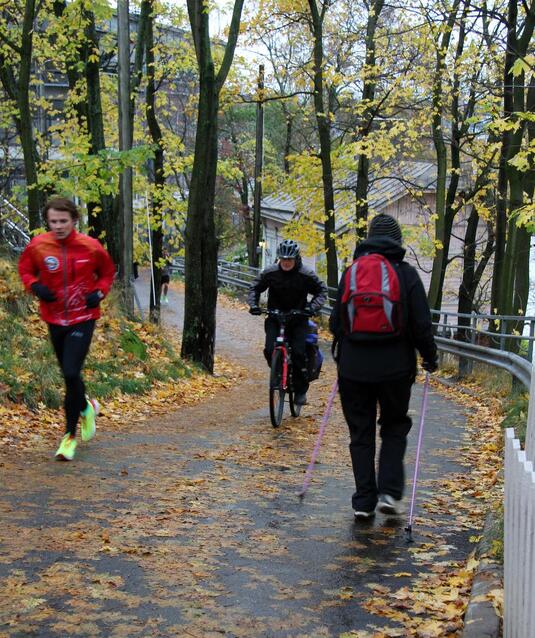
x,y
386,226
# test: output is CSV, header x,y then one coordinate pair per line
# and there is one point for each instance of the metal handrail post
x,y
503,330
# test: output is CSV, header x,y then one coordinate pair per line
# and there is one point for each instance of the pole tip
x,y
408,534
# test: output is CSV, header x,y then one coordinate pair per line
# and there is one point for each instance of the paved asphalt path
x,y
189,524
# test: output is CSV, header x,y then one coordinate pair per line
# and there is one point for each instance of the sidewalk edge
x,y
481,619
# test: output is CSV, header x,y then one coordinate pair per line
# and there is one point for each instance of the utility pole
x,y
259,159
125,144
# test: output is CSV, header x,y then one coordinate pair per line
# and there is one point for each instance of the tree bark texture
x,y
441,255
103,223
513,269
368,97
17,87
201,243
324,134
158,176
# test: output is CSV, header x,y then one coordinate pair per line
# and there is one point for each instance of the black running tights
x,y
71,345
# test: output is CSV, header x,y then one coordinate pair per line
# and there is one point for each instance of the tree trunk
x,y
18,90
472,274
368,97
511,270
243,192
324,133
288,141
158,176
201,244
499,292
104,223
442,227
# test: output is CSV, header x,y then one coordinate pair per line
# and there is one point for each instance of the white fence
x,y
519,541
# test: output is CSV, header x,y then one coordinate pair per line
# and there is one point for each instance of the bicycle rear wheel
x,y
276,391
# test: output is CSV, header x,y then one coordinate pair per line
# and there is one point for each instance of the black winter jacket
x,y
289,290
375,361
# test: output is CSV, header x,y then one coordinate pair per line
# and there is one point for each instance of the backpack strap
x,y
352,290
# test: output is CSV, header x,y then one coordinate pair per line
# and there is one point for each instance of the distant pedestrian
x,y
380,316
70,273
165,280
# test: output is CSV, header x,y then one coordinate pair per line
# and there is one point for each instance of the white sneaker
x,y
389,505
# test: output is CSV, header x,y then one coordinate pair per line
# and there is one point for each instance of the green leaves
x,y
89,176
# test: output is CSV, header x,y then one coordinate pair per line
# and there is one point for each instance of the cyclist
x,y
289,283
70,273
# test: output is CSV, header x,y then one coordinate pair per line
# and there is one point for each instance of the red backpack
x,y
371,299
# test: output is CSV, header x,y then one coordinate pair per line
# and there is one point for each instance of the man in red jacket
x,y
70,273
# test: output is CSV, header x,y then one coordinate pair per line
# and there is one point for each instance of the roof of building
x,y
384,189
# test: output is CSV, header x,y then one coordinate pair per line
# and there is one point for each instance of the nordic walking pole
x,y
408,529
316,449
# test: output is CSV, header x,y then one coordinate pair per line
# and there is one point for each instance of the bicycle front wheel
x,y
276,391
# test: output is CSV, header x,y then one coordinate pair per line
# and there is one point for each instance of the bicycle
x,y
280,378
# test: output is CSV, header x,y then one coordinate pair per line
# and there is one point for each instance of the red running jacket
x,y
71,268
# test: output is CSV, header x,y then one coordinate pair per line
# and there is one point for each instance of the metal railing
x,y
239,275
13,226
503,341
484,338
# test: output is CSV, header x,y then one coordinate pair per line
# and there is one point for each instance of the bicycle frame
x,y
283,347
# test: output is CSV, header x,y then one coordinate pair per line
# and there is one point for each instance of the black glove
x,y
308,312
255,310
43,292
430,366
94,298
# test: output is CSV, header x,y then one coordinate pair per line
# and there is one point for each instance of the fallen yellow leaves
x,y
495,596
433,604
21,427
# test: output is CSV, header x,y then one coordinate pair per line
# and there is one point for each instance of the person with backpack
x,y
381,315
289,284
70,273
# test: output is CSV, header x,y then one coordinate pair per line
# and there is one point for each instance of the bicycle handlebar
x,y
281,313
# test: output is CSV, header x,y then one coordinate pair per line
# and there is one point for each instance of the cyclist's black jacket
x,y
376,361
289,290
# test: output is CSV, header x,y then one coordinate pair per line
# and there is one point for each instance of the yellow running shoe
x,y
89,415
66,448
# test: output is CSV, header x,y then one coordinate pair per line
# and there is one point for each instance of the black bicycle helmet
x,y
288,249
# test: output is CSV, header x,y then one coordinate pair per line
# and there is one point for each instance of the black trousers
x,y
296,333
71,345
359,404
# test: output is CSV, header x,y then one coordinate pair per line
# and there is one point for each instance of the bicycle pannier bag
x,y
314,355
371,305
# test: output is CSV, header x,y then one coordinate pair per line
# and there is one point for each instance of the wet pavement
x,y
189,524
